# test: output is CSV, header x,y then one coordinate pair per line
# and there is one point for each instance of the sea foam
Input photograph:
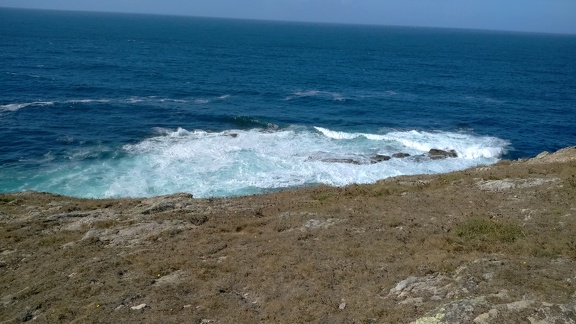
x,y
241,162
17,106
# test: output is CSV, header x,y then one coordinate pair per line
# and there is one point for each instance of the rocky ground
x,y
493,244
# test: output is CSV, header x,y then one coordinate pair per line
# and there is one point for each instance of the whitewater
x,y
242,162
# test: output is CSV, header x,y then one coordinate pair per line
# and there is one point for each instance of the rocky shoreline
x,y
493,244
433,154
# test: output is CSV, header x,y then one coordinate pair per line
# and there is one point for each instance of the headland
x,y
492,244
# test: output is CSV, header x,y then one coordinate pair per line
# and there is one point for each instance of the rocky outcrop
x,y
379,158
462,299
561,156
433,154
400,155
436,154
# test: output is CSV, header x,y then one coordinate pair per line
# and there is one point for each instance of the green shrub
x,y
488,231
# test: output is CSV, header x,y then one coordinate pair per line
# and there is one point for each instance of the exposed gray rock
x,y
341,160
560,156
320,224
461,311
520,305
507,184
137,234
462,303
158,208
139,307
436,154
431,287
379,158
358,160
171,278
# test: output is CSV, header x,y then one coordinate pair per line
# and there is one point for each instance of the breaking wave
x,y
241,162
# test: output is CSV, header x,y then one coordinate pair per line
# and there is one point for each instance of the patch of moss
x,y
486,230
322,196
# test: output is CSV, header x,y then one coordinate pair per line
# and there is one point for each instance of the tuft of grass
x,y
572,181
104,224
322,197
485,230
449,178
382,192
58,239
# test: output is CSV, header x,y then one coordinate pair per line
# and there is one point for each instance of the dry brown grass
x,y
292,256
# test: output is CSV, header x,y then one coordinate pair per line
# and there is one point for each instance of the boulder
x,y
341,160
379,158
436,154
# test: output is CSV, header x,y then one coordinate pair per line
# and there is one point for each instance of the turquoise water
x,y
116,105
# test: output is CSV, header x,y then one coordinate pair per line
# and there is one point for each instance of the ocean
x,y
117,105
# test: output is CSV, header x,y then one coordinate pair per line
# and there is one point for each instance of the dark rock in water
x,y
400,155
341,160
233,135
376,158
436,154
379,158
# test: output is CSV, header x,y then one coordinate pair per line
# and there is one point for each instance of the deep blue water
x,y
115,105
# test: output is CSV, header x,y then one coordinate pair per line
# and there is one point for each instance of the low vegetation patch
x,y
485,230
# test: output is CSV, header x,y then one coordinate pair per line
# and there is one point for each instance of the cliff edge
x,y
493,244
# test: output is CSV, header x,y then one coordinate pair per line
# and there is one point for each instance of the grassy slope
x,y
500,239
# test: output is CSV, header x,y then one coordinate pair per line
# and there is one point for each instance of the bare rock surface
x,y
436,154
493,244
